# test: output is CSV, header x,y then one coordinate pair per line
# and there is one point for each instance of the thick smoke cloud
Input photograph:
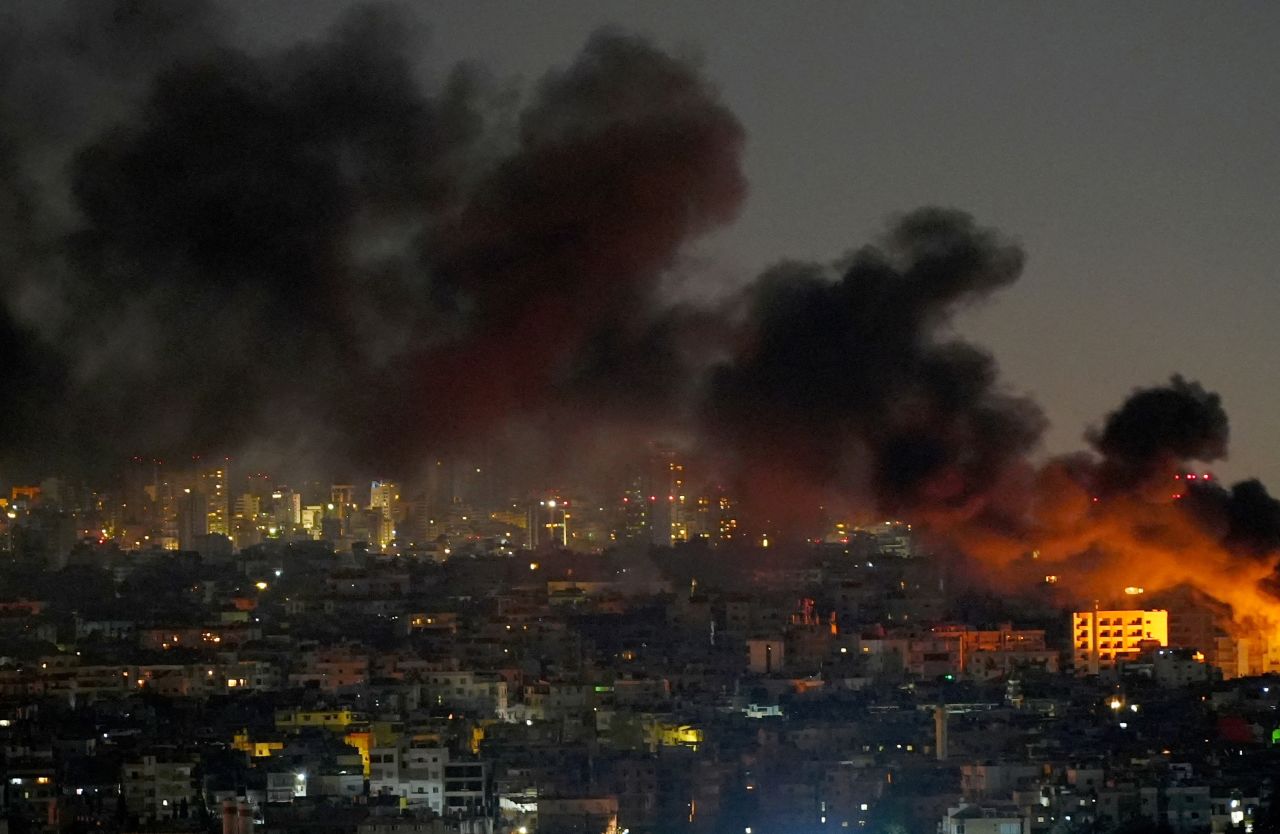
x,y
849,388
1245,518
231,214
1138,514
1149,446
1158,430
853,383
326,251
313,247
554,263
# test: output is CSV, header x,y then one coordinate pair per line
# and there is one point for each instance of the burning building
x,y
1102,639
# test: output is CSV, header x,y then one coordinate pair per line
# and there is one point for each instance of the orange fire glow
x,y
1135,542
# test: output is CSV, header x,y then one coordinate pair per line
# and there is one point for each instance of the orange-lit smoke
x,y
1097,546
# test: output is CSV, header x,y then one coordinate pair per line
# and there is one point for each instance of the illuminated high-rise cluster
x,y
384,500
213,484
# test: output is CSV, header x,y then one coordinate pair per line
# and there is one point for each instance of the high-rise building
x,y
286,508
248,507
665,482
634,512
384,496
384,499
342,497
711,516
547,523
166,493
213,484
1102,638
655,505
137,504
193,519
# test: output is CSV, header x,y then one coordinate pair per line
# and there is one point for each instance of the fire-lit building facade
x,y
1101,639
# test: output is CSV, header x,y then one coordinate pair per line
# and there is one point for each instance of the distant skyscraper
x,y
137,505
213,484
165,494
673,512
546,523
248,507
342,497
728,519
681,504
384,498
286,507
193,519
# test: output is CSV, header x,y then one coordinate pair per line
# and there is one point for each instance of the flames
x,y
1130,544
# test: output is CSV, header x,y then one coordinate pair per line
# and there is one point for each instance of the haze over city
x,y
395,394
1127,149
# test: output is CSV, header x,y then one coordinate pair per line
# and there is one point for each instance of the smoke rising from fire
x,y
1138,515
1158,431
853,382
329,252
850,387
314,247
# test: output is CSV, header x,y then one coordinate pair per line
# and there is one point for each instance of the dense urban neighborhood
x,y
507,677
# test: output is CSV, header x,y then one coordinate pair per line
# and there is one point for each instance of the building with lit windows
x,y
213,485
286,508
384,499
159,788
1102,638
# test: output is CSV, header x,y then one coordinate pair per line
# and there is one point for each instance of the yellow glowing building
x,y
678,735
1101,638
257,748
333,720
213,484
361,740
384,498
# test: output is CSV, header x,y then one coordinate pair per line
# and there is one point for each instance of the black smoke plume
x,y
852,384
327,252
1244,518
1159,430
315,249
1151,445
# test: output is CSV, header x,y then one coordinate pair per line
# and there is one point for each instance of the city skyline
x,y
638,418
323,249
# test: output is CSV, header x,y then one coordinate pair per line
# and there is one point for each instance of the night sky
x,y
1130,148
1129,151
